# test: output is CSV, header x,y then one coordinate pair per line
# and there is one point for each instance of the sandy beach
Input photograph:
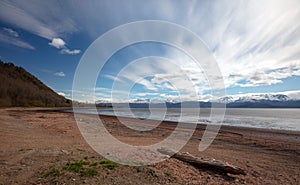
x,y
41,146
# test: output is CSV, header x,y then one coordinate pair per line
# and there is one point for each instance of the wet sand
x,y
38,144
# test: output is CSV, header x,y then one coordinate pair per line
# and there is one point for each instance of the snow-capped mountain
x,y
266,100
253,98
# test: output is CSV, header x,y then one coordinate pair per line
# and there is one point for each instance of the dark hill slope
x,y
19,88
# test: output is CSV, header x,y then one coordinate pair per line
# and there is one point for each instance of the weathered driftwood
x,y
210,164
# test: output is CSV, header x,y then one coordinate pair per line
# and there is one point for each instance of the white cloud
x,y
58,43
64,94
11,32
61,74
269,78
145,94
157,75
61,93
292,94
71,52
61,44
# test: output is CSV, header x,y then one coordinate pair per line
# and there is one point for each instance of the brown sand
x,y
37,145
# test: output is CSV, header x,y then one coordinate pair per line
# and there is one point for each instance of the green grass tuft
x,y
88,172
93,164
108,164
53,171
76,166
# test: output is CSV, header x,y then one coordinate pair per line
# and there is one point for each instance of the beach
x,y
38,146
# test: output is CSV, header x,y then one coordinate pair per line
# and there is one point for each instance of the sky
x,y
256,45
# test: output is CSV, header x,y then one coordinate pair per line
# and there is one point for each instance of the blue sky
x,y
255,43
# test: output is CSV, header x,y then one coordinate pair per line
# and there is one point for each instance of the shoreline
x,y
199,125
275,129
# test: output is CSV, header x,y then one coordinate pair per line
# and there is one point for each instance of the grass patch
x,y
82,168
76,166
93,164
88,172
108,164
53,171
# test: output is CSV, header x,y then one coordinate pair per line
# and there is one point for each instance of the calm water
x,y
285,119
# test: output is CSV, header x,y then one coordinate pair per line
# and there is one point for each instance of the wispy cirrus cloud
x,y
10,36
11,32
38,17
256,43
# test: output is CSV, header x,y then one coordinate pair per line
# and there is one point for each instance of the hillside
x,y
20,88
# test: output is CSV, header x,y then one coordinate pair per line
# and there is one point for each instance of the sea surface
x,y
283,119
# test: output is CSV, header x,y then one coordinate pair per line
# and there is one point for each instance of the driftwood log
x,y
210,164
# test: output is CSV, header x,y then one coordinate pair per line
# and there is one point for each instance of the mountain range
x,y
265,100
